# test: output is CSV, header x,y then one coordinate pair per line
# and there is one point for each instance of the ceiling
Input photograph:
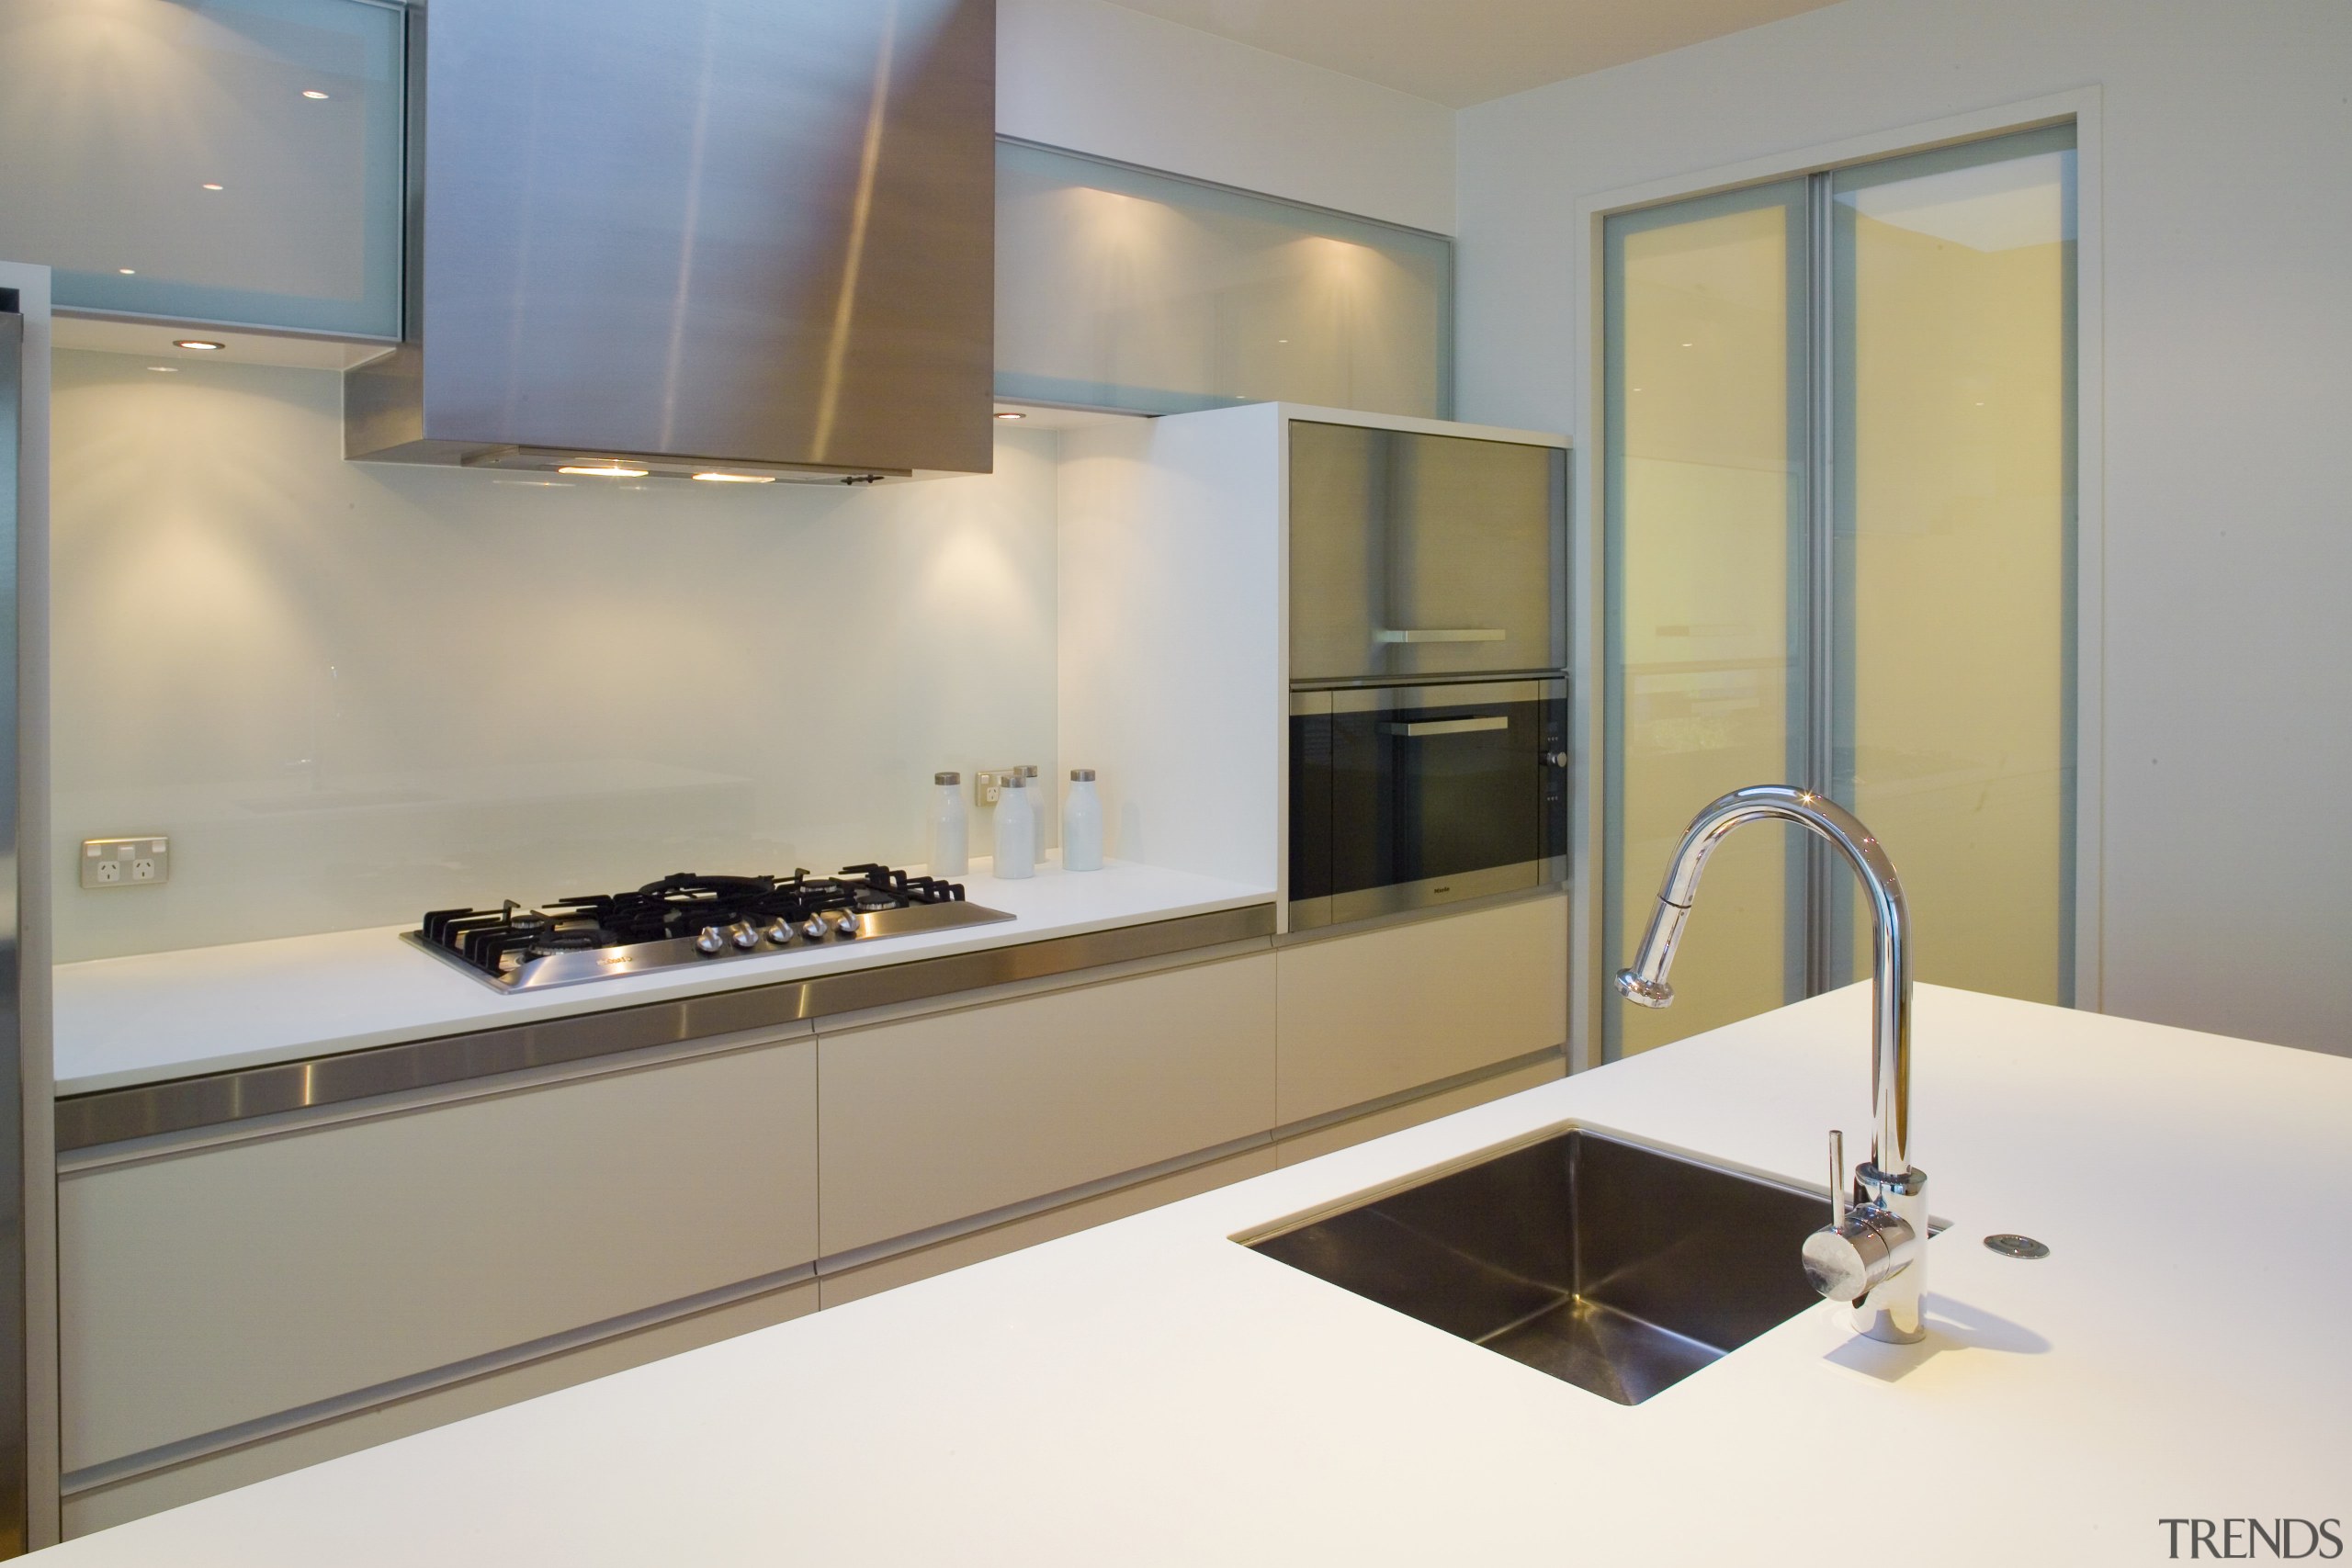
x,y
1465,51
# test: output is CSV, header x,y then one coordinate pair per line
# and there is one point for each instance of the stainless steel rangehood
x,y
743,236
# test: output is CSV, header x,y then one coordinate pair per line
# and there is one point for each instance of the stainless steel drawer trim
x,y
1430,677
142,1111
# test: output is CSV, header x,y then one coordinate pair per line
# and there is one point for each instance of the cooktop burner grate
x,y
689,918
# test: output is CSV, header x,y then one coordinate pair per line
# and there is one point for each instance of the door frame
x,y
1590,967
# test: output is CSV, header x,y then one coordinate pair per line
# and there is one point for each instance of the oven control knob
x,y
712,940
845,925
813,927
780,933
746,934
1555,759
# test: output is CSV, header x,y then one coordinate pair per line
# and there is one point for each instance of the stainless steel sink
x,y
1614,1265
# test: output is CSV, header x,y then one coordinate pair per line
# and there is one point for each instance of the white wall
x,y
354,692
1172,632
2227,202
1099,78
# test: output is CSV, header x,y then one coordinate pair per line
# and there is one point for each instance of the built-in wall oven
x,y
1428,711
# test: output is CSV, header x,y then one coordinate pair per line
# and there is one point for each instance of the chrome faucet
x,y
1874,1253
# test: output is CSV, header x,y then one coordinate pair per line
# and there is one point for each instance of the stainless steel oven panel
x,y
1360,847
1378,699
1341,908
1422,555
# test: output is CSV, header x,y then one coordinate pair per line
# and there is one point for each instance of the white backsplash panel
x,y
354,691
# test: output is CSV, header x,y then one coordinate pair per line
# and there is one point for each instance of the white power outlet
x,y
127,862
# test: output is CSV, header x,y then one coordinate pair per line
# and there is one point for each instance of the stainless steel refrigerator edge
x,y
749,235
28,1394
1429,698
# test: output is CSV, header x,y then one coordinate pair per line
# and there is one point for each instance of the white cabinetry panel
x,y
238,1281
1392,1009
939,1118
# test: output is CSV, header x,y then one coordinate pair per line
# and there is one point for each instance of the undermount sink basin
x,y
1617,1267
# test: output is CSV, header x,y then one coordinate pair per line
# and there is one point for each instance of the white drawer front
x,y
1405,1005
235,1282
936,1119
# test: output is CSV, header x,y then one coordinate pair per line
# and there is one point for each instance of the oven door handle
x,y
1418,727
1456,633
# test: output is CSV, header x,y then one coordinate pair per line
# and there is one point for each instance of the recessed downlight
x,y
603,470
214,185
1010,413
201,345
164,369
717,478
128,271
312,93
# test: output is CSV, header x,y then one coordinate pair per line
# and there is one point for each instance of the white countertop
x,y
1150,1393
167,1015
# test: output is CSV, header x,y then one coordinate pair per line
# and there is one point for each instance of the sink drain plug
x,y
2009,1245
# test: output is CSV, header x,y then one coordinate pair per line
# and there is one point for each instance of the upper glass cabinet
x,y
1122,288
236,163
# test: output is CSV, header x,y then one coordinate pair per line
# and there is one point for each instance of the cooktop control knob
x,y
845,925
746,934
780,933
813,927
712,940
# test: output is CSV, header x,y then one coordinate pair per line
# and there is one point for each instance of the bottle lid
x,y
1015,780
1082,775
947,778
1028,770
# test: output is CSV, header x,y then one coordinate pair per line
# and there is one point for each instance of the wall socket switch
x,y
127,862
988,785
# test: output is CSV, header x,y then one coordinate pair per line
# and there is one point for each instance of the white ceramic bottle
x,y
1041,804
1016,831
951,837
1082,824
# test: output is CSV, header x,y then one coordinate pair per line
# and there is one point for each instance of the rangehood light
x,y
196,343
714,477
1009,414
603,470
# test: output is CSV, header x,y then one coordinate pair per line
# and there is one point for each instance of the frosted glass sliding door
x,y
1705,581
1955,543
1839,538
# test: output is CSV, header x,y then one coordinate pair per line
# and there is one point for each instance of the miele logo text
x,y
2253,1537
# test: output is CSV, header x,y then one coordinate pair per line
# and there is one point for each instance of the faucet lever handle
x,y
1838,1190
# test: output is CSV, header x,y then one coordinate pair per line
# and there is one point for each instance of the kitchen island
x,y
1152,1392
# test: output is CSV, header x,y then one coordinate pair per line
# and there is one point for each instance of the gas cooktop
x,y
691,919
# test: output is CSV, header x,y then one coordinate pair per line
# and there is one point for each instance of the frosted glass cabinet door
x,y
230,162
1122,288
